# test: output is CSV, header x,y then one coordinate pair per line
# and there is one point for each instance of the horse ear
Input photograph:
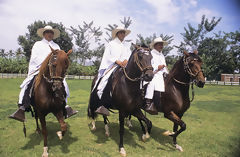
x,y
135,46
53,51
195,52
51,48
69,52
186,53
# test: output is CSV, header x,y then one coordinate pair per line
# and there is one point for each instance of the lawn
x,y
213,127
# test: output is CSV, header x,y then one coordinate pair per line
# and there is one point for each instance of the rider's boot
x,y
150,107
19,114
70,111
102,110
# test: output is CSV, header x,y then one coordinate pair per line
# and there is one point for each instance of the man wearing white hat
x,y
116,54
40,51
157,84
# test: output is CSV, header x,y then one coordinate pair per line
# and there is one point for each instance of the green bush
x,y
13,65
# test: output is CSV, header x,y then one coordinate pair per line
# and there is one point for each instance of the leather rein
x,y
192,76
140,66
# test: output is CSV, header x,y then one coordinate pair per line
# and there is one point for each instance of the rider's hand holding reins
x,y
121,64
160,67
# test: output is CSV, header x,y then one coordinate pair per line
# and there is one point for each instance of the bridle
x,y
189,71
139,65
53,79
191,74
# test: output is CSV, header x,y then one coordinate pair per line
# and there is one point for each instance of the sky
x,y
148,16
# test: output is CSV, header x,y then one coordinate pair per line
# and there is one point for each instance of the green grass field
x,y
213,128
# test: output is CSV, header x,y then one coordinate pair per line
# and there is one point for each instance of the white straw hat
x,y
114,32
55,31
157,40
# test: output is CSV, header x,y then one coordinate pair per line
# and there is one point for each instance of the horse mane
x,y
173,70
42,69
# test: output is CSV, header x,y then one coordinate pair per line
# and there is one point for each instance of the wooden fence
x,y
9,75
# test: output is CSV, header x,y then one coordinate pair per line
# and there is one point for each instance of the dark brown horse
x,y
126,93
175,100
49,92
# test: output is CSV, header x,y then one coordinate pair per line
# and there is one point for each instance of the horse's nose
x,y
148,76
200,84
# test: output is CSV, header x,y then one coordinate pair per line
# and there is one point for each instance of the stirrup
x,y
103,111
18,115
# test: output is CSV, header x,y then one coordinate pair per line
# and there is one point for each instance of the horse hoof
x,y
147,135
45,153
179,148
59,133
129,124
93,128
38,131
144,138
168,133
123,152
107,134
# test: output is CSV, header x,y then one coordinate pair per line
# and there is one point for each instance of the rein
x,y
141,68
52,78
192,75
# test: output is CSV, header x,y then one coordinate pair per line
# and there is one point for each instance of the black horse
x,y
126,92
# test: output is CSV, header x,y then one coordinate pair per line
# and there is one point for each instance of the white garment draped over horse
x,y
114,50
157,83
39,53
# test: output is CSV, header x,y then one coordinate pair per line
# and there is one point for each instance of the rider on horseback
x,y
157,84
116,53
40,51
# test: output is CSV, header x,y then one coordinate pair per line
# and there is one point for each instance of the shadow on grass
x,y
156,135
53,140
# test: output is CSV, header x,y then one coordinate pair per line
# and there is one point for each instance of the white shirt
x,y
114,50
39,53
157,82
158,59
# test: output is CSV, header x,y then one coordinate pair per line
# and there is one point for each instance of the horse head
x,y
142,58
192,65
57,66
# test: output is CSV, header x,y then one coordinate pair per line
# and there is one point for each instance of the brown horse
x,y
175,100
49,92
126,93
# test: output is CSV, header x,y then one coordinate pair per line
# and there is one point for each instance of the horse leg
x,y
38,128
145,135
44,132
107,133
121,132
141,118
128,122
63,125
177,122
93,125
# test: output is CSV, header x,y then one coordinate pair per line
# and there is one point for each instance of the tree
x,y
26,41
84,36
220,54
192,37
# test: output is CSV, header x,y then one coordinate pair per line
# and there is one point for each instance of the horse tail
x,y
92,107
92,101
